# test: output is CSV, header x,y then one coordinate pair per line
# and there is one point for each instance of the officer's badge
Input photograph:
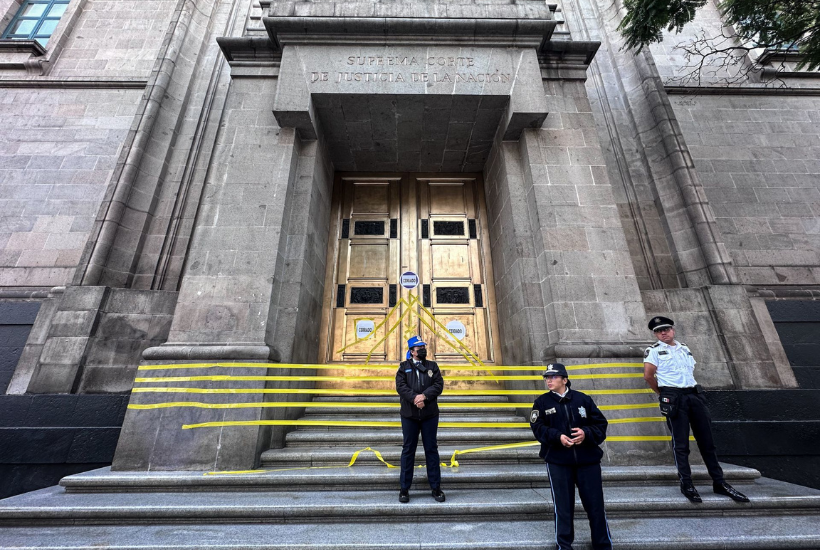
x,y
534,416
582,411
550,411
657,320
430,373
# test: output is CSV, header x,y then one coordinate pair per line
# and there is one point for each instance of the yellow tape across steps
x,y
376,392
389,424
445,367
228,378
353,391
453,462
357,405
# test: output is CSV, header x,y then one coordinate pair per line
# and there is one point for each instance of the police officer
x,y
668,369
570,428
419,383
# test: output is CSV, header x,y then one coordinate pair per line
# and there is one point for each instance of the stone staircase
x,y
306,497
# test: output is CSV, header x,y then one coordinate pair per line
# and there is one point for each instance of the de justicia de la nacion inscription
x,y
397,68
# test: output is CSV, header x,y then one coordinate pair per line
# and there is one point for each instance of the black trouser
x,y
410,428
692,411
587,477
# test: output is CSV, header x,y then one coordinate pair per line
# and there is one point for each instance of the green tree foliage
x,y
773,24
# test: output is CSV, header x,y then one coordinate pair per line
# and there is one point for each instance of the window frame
x,y
39,21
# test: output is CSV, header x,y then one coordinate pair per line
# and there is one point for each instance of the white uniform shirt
x,y
675,364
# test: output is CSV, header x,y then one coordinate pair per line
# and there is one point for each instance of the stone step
x,y
376,436
475,437
54,506
395,399
447,414
444,417
682,533
368,478
341,455
394,411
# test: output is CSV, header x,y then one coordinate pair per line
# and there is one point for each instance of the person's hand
x,y
418,401
565,441
578,436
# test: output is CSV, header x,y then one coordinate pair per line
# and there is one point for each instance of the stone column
x,y
227,285
566,274
565,284
251,290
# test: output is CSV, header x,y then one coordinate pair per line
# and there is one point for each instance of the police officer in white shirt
x,y
668,369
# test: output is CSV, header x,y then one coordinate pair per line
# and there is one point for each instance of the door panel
x,y
383,226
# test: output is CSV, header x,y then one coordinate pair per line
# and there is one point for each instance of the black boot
x,y
438,494
404,496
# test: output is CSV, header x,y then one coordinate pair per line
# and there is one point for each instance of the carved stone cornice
x,y
409,30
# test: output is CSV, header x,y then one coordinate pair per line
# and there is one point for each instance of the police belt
x,y
677,390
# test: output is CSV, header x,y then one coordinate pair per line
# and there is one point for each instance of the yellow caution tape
x,y
393,367
388,424
375,452
358,405
453,462
350,465
351,391
229,378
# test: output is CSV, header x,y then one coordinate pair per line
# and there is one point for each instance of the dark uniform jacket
x,y
411,381
553,416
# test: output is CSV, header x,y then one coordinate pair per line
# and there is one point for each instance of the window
x,y
36,20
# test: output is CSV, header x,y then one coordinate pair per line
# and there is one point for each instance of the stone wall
x,y
115,39
758,158
648,160
58,150
562,270
89,340
16,320
226,292
721,327
575,222
62,138
44,438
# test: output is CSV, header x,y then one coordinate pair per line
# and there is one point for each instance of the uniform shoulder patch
x,y
656,344
647,352
534,415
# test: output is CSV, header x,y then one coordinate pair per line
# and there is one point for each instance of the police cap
x,y
658,323
415,342
556,369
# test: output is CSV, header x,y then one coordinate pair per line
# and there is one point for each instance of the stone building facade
x,y
168,171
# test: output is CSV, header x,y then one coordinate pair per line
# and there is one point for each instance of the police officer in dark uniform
x,y
570,428
419,383
668,369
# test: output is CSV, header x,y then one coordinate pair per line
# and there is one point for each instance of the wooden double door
x,y
384,228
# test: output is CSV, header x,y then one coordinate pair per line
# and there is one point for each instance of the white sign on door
x,y
409,280
364,329
457,330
